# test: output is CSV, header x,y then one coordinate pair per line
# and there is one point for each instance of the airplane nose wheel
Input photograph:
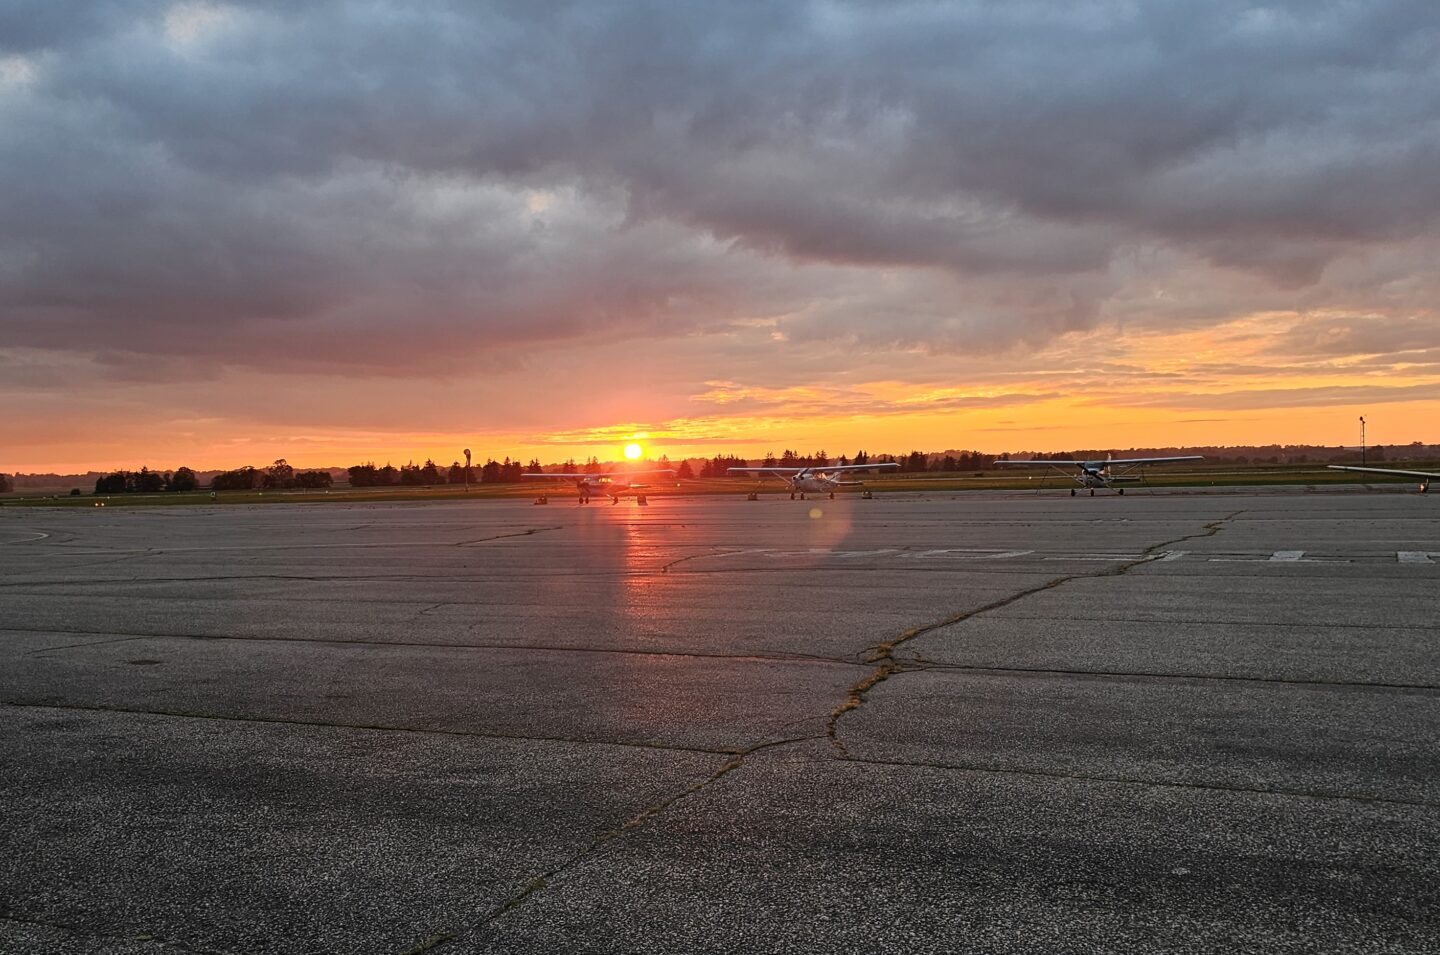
x,y
1072,492
792,495
752,496
640,500
866,495
542,499
1120,491
1092,492
832,495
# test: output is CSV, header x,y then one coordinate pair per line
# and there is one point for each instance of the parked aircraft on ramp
x,y
1093,474
1425,476
815,479
613,486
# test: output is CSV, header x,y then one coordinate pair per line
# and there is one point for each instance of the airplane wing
x,y
782,471
836,468
607,474
1391,471
1033,462
1183,457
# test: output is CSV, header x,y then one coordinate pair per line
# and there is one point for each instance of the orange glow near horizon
x,y
1263,379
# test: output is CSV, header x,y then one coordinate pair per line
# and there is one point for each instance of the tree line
x,y
145,481
430,473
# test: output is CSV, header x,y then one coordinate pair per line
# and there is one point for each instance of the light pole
x,y
467,470
1362,440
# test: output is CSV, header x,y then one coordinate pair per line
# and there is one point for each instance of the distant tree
x,y
362,475
240,479
183,479
843,461
593,466
861,457
149,482
314,479
456,474
770,461
388,476
949,463
430,474
410,475
117,482
279,475
915,462
510,471
820,458
684,472
490,473
6,484
534,467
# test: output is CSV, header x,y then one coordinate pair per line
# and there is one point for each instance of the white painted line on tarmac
x,y
1172,555
1414,556
956,553
1288,555
36,536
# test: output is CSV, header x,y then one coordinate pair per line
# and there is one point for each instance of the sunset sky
x,y
334,232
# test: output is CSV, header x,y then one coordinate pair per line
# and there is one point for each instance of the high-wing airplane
x,y
1093,474
1425,476
815,479
613,486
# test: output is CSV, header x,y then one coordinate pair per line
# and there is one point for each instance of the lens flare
x,y
633,451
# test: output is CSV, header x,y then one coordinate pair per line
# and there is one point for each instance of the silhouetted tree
x,y
6,484
490,473
240,479
279,475
684,472
314,479
430,474
183,479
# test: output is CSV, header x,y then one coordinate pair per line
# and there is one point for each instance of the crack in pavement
x,y
887,665
600,841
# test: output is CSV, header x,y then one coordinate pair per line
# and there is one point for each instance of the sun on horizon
x,y
633,451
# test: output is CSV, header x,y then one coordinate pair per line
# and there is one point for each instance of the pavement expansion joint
x,y
144,938
887,665
1150,783
364,727
920,663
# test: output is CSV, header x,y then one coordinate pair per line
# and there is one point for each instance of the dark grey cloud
x,y
378,185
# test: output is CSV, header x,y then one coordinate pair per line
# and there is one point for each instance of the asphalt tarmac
x,y
983,722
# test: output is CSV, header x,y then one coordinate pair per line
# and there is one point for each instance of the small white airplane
x,y
613,486
1425,476
1093,474
814,479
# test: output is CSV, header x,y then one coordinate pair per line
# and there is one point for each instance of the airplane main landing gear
x,y
1424,488
1072,492
752,496
584,499
792,495
866,495
1092,492
614,500
832,495
542,499
1120,490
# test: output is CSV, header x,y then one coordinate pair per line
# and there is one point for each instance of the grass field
x,y
1202,476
